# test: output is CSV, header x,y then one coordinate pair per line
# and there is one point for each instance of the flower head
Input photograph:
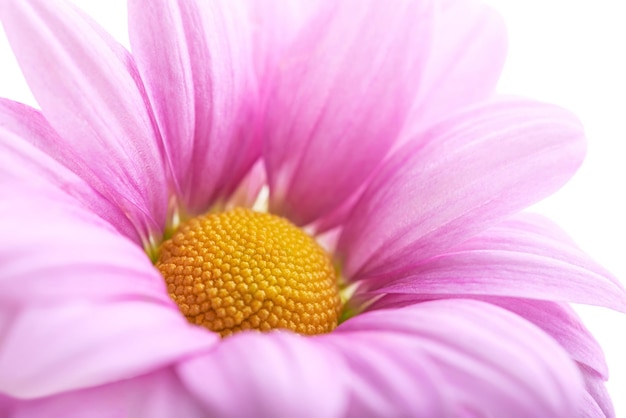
x,y
393,274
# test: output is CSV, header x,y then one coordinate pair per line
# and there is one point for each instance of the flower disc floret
x,y
241,269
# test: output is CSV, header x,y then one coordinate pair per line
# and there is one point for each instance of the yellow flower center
x,y
240,269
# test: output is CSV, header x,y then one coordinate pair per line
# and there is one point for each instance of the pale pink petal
x,y
340,98
389,376
511,259
597,402
555,319
489,361
276,23
55,250
196,60
89,90
259,375
463,65
456,179
80,305
467,56
50,349
333,220
155,395
591,409
23,160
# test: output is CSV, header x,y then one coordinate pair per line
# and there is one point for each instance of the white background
x,y
568,52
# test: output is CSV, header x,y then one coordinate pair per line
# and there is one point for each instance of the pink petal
x,y
480,359
276,375
276,23
511,259
555,319
7,405
88,88
79,304
250,187
341,95
197,63
75,345
464,62
467,56
55,250
156,395
597,402
591,409
456,179
23,160
386,379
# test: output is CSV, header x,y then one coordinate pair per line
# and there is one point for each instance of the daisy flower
x,y
286,209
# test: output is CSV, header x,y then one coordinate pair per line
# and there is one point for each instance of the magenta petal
x,y
23,133
515,258
341,95
74,345
467,56
155,395
456,179
196,60
268,375
7,406
489,362
88,88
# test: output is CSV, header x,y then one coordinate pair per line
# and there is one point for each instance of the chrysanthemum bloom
x,y
391,273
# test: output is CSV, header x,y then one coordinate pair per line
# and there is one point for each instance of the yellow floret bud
x,y
240,269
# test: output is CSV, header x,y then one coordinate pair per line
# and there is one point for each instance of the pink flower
x,y
377,132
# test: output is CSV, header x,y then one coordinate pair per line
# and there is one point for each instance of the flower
x,y
379,135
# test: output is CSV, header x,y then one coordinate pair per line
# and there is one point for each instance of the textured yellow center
x,y
241,269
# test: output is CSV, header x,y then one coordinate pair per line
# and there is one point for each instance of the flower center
x,y
240,269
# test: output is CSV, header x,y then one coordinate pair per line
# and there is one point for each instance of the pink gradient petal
x,y
156,395
24,160
512,259
55,250
268,375
89,90
467,56
341,95
456,179
490,362
75,345
555,319
196,60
